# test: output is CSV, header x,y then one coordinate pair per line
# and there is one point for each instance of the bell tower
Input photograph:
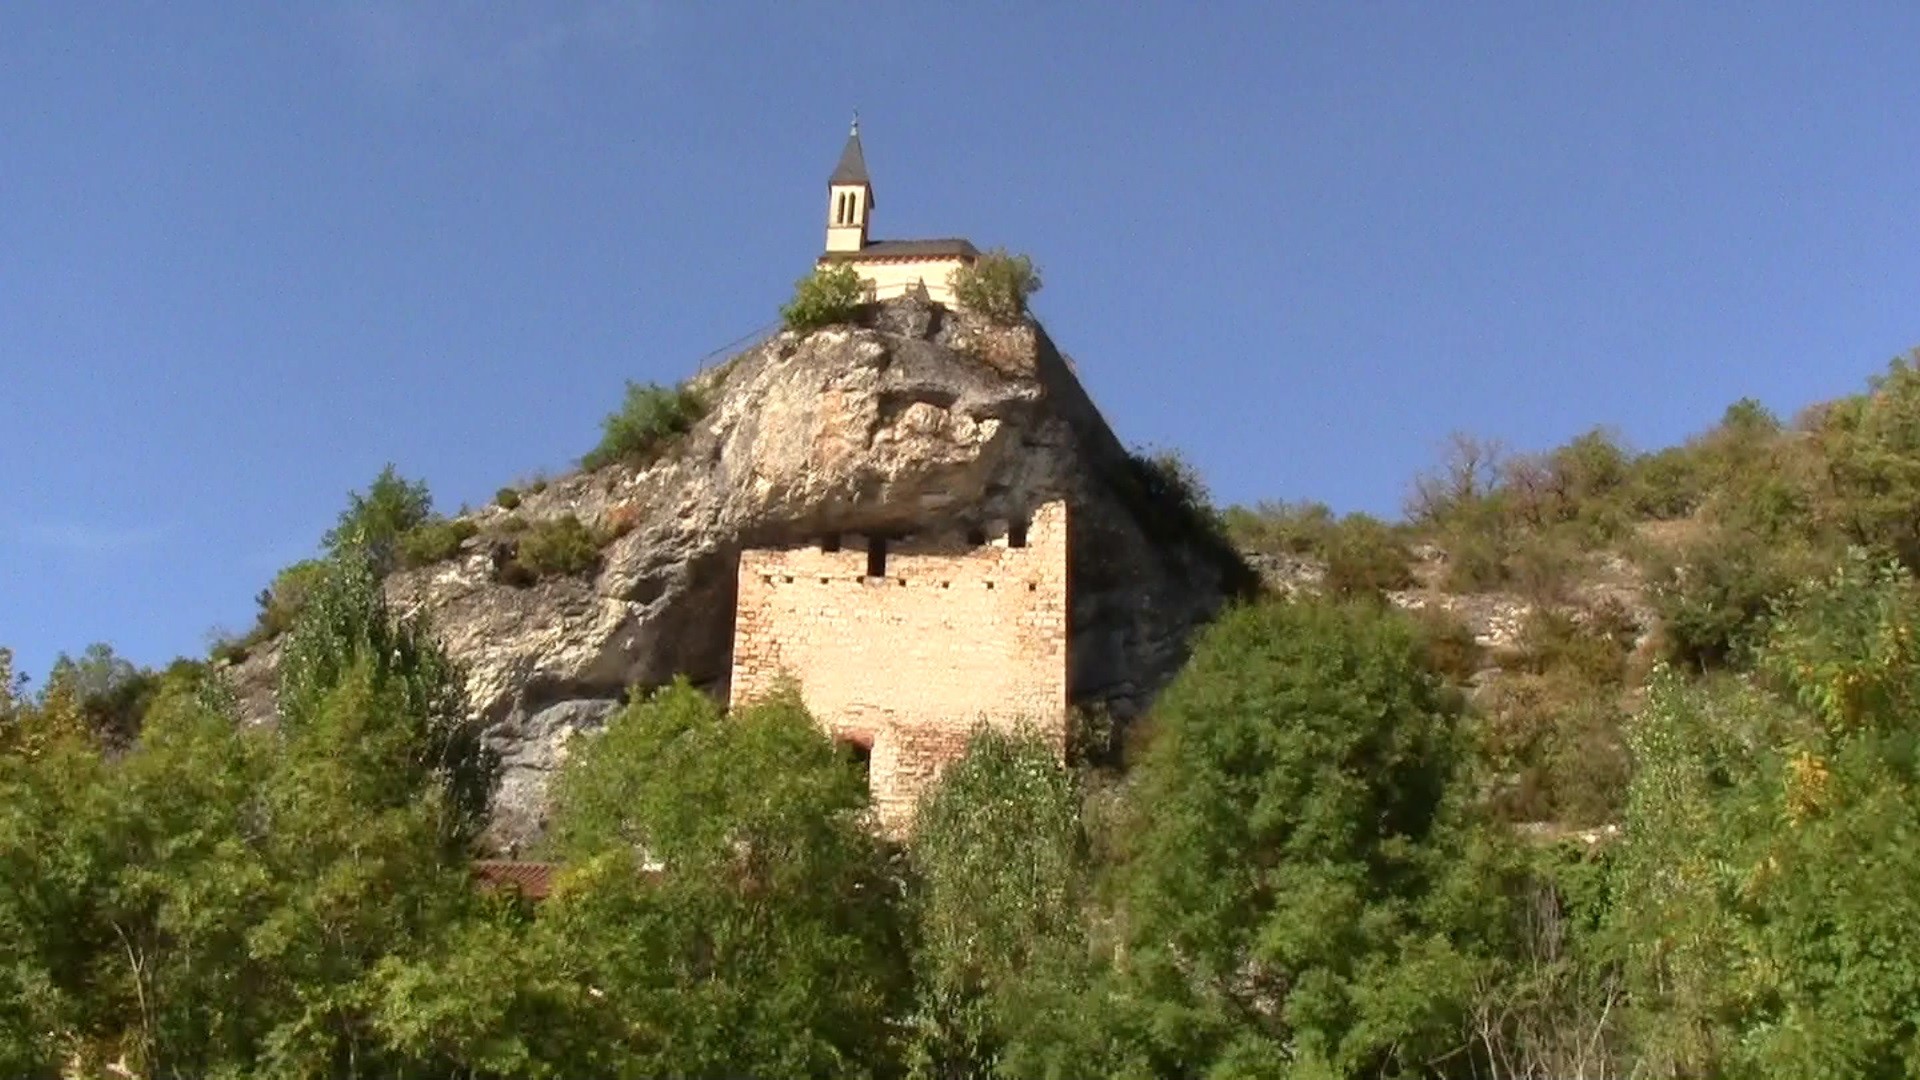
x,y
849,197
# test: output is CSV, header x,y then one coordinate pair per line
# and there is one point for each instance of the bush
x,y
507,498
996,285
372,523
829,295
1281,528
281,602
556,547
1001,876
434,541
1294,830
1451,650
1714,601
650,418
1366,557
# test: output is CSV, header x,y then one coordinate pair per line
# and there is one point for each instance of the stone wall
x,y
955,634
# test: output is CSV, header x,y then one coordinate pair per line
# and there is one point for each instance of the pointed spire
x,y
853,160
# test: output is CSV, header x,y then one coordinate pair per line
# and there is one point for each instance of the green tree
x,y
997,285
1001,886
1873,452
831,294
346,622
49,877
649,419
1769,861
1291,813
372,523
769,942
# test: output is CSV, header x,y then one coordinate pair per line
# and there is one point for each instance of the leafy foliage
x,y
1292,827
1001,880
829,295
555,547
1364,556
347,624
649,419
372,524
281,602
770,943
434,541
997,285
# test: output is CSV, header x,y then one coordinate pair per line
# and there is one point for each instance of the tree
x,y
831,294
345,623
372,524
1292,829
767,939
1001,883
649,419
996,285
1769,859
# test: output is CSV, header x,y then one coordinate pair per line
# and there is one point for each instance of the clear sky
x,y
250,252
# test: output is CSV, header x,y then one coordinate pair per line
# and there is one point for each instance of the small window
x,y
1017,535
860,753
976,537
876,556
830,543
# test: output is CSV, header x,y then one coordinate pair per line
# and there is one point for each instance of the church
x,y
889,267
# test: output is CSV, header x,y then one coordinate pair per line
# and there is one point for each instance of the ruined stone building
x,y
902,647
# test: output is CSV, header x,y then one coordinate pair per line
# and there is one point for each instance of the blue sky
x,y
249,253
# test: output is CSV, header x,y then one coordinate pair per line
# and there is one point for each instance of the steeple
x,y
849,196
853,161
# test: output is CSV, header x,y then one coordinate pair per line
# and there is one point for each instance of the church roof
x,y
949,247
853,162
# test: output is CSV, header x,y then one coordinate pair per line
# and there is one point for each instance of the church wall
x,y
912,663
891,279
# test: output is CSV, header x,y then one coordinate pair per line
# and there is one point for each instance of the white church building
x,y
890,267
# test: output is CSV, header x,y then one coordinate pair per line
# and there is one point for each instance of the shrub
x,y
507,498
372,523
559,546
1451,651
1001,874
1366,557
1715,599
434,541
1170,502
281,602
829,295
1294,828
1281,528
996,285
650,418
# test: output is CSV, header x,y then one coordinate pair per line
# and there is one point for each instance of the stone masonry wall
x,y
909,664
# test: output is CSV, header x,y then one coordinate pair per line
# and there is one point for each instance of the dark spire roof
x,y
853,161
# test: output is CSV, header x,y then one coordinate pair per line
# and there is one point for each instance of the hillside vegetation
x,y
1651,817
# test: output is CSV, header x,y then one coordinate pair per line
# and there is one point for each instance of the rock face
x,y
917,419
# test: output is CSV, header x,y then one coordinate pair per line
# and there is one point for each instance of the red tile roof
x,y
533,880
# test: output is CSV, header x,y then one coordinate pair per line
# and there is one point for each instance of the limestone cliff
x,y
916,420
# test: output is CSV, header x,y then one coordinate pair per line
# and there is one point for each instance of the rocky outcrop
x,y
1608,590
917,420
